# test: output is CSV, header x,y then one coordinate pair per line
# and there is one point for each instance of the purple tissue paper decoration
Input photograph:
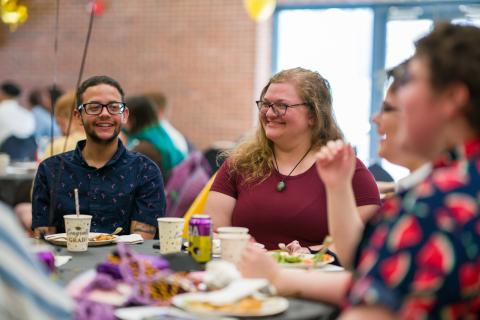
x,y
109,268
47,258
109,275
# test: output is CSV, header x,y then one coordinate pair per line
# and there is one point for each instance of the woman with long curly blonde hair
x,y
268,183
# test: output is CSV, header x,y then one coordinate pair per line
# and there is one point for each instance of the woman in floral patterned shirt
x,y
419,256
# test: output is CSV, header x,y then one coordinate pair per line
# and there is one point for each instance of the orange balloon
x,y
260,10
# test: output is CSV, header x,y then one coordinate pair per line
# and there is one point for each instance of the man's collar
x,y
81,144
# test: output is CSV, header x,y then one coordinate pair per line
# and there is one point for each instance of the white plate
x,y
60,239
306,262
139,313
270,306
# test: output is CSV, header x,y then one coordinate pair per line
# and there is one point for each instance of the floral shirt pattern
x,y
420,255
128,187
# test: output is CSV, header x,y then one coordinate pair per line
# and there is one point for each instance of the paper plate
x,y
60,239
269,306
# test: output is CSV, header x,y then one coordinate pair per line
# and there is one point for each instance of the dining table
x,y
16,182
81,262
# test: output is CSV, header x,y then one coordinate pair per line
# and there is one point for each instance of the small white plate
x,y
60,239
270,306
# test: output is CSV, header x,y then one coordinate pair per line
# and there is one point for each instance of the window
x,y
330,53
351,45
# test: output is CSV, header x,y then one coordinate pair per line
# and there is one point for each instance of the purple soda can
x,y
200,237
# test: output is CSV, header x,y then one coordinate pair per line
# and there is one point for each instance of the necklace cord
x,y
278,169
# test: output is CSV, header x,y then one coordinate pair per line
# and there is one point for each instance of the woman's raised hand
x,y
336,163
256,263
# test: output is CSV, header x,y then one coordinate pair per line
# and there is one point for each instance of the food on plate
x,y
102,237
293,247
246,305
305,259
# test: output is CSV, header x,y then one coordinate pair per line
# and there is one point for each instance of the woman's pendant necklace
x,y
281,184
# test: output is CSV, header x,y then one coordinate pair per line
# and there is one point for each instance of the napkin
x,y
235,291
220,273
129,238
61,260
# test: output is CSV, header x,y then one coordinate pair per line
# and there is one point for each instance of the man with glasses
x,y
117,187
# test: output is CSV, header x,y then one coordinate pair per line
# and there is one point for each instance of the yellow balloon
x,y
8,5
260,10
12,14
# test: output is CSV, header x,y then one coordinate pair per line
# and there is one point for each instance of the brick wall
x,y
201,53
207,56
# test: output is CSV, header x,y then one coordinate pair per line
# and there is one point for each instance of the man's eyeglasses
x,y
280,109
95,108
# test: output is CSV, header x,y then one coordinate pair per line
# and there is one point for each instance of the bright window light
x,y
329,45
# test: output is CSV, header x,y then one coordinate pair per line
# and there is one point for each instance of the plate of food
x,y
250,306
301,260
94,239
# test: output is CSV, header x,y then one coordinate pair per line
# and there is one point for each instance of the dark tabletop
x,y
298,308
15,188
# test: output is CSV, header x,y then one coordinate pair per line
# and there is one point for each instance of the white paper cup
x,y
77,229
224,230
232,245
170,232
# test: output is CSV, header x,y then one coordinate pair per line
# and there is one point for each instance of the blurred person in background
x,y
17,125
40,101
163,112
26,290
64,107
117,187
146,135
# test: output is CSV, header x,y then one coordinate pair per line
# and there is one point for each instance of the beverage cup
x,y
77,229
232,230
232,245
170,232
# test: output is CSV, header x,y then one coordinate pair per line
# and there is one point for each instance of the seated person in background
x,y
213,154
117,187
388,123
64,107
17,125
147,136
163,112
418,256
269,183
40,101
26,290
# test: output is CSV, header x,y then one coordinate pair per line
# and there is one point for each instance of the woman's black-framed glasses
x,y
95,108
280,109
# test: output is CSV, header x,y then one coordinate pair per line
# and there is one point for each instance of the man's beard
x,y
90,132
